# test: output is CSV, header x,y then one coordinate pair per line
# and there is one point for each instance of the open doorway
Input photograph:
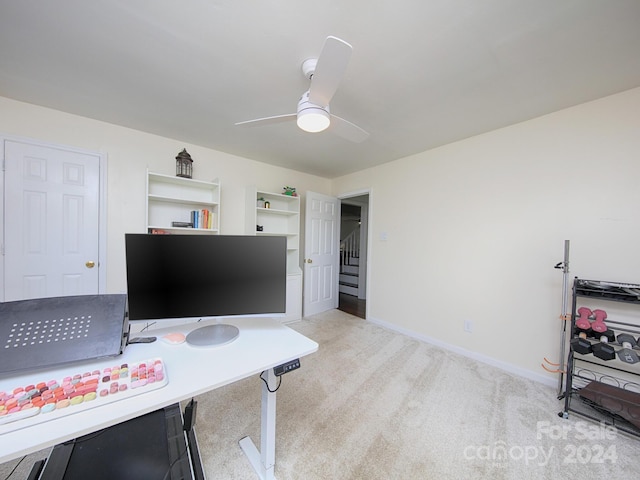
x,y
352,285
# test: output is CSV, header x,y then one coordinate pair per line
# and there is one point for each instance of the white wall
x,y
474,229
129,153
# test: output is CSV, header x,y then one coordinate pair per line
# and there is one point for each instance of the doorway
x,y
353,255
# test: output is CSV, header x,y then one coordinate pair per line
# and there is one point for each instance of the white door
x,y
321,257
51,220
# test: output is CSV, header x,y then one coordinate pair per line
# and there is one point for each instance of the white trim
x,y
508,367
355,193
102,199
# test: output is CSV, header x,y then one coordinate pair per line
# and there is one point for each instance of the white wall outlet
x,y
468,326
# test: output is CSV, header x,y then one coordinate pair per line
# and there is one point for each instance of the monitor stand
x,y
213,335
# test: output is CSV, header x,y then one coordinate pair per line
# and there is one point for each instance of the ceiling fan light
x,y
313,119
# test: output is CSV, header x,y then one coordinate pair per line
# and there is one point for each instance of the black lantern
x,y
184,164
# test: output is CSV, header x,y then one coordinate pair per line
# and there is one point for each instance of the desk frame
x,y
264,462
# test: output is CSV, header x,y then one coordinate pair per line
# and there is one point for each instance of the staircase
x,y
349,281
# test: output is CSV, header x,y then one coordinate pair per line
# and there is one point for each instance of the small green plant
x,y
290,191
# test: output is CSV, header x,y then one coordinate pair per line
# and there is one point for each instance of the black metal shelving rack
x,y
583,370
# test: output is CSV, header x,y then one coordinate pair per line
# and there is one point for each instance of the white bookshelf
x,y
172,199
281,218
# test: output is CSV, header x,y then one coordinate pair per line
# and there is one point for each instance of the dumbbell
x,y
603,350
598,324
626,354
581,345
582,322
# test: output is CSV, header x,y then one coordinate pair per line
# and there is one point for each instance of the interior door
x,y
322,223
51,221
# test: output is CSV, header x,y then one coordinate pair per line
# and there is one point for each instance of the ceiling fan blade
x,y
268,120
330,68
347,130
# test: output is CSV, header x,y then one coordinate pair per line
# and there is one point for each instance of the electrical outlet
x,y
468,326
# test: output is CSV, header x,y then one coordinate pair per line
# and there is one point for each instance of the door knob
x,y
90,264
309,260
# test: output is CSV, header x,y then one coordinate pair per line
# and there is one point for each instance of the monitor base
x,y
213,335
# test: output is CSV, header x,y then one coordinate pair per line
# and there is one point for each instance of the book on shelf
x,y
182,224
204,219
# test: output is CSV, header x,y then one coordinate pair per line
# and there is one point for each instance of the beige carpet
x,y
374,404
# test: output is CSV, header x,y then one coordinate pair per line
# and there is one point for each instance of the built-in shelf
x,y
174,199
281,218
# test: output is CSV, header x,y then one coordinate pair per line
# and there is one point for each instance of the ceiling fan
x,y
325,74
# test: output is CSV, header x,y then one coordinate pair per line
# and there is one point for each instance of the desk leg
x,y
263,462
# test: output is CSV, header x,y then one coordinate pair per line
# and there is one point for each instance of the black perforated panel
x,y
47,332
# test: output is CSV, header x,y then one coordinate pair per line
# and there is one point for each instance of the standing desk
x,y
263,343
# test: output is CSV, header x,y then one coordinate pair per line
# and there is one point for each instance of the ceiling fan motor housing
x,y
309,67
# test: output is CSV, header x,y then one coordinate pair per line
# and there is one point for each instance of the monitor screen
x,y
182,276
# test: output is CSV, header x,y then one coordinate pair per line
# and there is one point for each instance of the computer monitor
x,y
195,276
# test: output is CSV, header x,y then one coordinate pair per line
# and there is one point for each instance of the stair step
x,y
349,274
348,279
349,269
348,289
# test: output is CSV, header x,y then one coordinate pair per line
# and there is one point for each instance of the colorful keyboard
x,y
27,405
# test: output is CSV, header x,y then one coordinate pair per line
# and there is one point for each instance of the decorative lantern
x,y
184,164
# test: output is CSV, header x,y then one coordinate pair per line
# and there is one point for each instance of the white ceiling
x,y
423,72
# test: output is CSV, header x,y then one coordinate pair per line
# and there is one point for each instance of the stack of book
x,y
203,219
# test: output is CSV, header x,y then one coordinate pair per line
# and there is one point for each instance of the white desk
x,y
262,344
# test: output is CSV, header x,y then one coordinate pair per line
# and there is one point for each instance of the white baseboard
x,y
508,367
